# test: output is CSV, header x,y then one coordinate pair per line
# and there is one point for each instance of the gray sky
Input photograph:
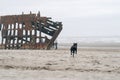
x,y
79,17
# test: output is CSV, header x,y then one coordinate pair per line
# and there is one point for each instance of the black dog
x,y
73,49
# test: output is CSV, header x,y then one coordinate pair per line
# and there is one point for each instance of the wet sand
x,y
89,64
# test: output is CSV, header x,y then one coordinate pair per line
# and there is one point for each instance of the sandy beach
x,y
88,64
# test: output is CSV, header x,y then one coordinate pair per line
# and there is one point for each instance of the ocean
x,y
95,41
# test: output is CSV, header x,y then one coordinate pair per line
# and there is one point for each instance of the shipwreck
x,y
28,31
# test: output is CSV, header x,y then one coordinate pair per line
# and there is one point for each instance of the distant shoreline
x,y
90,45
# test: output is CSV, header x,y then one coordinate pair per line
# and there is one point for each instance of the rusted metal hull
x,y
28,31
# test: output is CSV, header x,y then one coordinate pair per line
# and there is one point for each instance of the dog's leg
x,y
71,52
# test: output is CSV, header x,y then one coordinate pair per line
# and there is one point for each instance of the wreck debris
x,y
28,31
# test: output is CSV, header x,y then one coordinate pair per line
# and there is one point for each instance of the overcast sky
x,y
79,17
